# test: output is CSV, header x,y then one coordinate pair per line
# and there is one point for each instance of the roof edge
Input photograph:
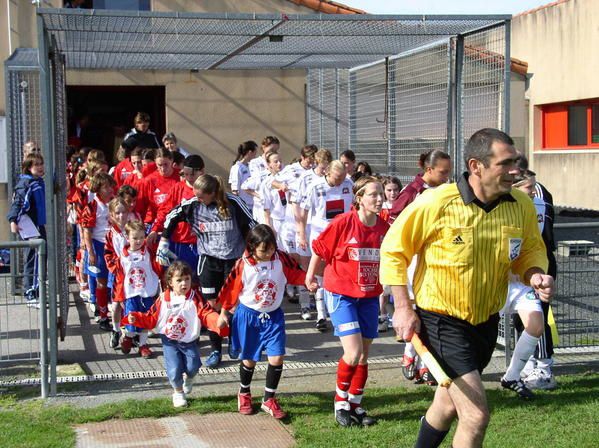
x,y
327,7
540,8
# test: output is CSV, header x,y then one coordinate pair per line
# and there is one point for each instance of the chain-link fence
x,y
433,97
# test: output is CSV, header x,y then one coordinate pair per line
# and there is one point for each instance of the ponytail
x,y
214,184
244,148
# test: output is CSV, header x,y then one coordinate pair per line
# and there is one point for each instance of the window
x,y
571,125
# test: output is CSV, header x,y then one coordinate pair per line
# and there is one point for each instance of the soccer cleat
x,y
84,294
272,407
540,380
213,359
244,403
383,324
187,385
145,351
408,367
114,339
105,324
426,377
33,303
126,344
518,386
179,400
92,308
306,314
360,418
233,353
343,413
322,325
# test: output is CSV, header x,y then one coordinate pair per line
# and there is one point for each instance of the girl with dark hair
x,y
255,288
240,170
220,221
178,316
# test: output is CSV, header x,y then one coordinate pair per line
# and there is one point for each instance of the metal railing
x,y
24,335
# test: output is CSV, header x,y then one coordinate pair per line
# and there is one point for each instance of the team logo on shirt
x,y
137,278
515,246
265,293
345,190
176,326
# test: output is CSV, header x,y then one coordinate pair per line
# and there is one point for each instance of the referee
x,y
468,237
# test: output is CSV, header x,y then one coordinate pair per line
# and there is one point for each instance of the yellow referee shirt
x,y
465,249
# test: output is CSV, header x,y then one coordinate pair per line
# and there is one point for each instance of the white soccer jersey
x,y
273,200
102,223
324,201
253,183
140,278
257,166
238,174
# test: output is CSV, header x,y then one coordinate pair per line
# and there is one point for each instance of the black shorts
x,y
212,273
457,345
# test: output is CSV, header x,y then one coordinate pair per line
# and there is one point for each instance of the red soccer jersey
x,y
152,193
122,171
182,233
351,252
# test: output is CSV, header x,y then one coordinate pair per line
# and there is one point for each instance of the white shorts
x,y
521,298
307,252
285,236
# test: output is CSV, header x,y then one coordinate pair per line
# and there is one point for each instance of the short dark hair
x,y
258,235
30,160
127,190
163,153
177,268
348,154
178,158
479,145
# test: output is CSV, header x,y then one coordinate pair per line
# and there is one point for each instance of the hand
x,y
91,258
14,227
543,285
223,319
151,238
132,319
163,254
406,322
311,283
301,241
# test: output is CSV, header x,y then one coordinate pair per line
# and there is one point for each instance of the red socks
x,y
356,388
345,373
102,301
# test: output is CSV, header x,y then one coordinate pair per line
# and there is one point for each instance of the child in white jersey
x,y
178,316
139,274
256,286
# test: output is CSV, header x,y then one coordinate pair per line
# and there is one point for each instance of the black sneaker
x,y
360,418
322,325
518,386
114,339
105,325
343,414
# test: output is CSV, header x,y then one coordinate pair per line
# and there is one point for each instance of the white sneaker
x,y
540,380
187,385
179,400
383,324
306,314
84,294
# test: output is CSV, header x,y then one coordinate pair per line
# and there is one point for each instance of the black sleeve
x,y
182,212
18,199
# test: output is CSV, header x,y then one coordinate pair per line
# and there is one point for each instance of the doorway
x,y
100,116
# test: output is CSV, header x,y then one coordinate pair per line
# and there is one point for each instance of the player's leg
x,y
468,396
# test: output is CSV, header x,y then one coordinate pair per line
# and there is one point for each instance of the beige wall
x,y
211,112
216,6
560,43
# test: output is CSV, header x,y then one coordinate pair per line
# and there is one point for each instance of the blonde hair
x,y
214,184
135,226
360,188
323,156
99,180
114,203
336,165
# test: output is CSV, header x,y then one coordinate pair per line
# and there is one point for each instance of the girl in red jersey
x,y
116,240
350,248
178,316
255,287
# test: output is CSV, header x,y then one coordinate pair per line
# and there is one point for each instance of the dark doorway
x,y
100,116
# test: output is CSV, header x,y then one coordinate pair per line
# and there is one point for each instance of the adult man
x,y
468,236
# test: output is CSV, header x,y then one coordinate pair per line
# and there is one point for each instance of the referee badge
x,y
515,246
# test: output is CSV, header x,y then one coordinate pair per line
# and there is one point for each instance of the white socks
x,y
525,347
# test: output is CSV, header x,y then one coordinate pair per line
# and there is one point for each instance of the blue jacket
x,y
29,197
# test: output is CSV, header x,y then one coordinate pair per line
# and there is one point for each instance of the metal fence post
x,y
508,76
459,125
47,119
43,299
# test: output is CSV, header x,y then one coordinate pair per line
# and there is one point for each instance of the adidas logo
x,y
458,240
353,241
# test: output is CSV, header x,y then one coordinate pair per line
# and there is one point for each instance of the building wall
x,y
559,44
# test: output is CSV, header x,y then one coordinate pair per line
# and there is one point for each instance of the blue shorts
x,y
252,332
111,279
137,303
187,252
351,316
100,262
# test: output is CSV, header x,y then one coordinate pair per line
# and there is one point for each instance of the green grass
x,y
566,417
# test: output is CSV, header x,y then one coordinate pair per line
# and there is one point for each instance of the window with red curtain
x,y
571,125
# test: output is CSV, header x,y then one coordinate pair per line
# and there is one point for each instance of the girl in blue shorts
x,y
255,287
350,247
